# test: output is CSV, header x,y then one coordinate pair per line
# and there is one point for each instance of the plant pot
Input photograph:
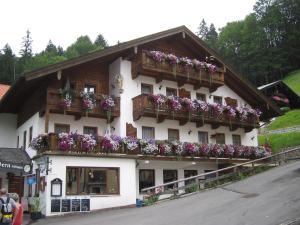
x,y
35,215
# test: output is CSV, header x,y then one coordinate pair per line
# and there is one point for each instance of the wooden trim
x,y
47,115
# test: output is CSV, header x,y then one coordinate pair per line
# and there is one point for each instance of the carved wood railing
x,y
143,107
143,64
54,100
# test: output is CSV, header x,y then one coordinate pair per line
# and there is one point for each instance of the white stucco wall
x,y
77,125
127,172
38,127
180,166
8,126
132,88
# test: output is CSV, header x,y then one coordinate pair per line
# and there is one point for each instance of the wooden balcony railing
x,y
54,99
143,64
144,107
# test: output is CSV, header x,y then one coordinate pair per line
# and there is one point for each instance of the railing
x,y
54,100
145,65
218,176
143,106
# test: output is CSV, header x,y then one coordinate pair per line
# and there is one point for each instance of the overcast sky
x,y
63,21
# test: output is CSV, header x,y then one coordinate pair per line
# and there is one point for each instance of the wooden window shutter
x,y
231,101
184,94
131,131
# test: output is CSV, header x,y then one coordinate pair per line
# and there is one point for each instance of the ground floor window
x,y
190,173
146,179
92,180
169,176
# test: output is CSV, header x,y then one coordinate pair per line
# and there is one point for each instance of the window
x,y
203,137
146,179
171,91
173,135
90,130
148,133
30,133
169,176
201,97
218,99
236,139
146,89
85,180
220,138
61,128
24,139
190,173
90,88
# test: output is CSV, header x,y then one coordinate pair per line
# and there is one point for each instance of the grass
x,y
293,81
289,119
279,141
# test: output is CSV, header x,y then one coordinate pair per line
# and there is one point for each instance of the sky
x,y
63,21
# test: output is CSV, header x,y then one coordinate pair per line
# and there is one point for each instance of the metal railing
x,y
199,181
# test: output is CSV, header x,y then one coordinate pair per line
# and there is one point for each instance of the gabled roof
x,y
235,81
3,89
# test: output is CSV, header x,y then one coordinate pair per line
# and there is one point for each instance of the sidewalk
x,y
26,219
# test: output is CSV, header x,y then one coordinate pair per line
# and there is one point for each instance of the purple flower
x,y
107,103
174,103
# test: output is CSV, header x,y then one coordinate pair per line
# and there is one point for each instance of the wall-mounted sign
x,y
13,166
31,180
75,205
55,205
85,205
65,205
56,187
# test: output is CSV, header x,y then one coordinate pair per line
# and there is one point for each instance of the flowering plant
x,y
190,148
158,100
164,148
242,113
172,59
217,109
188,103
66,102
130,143
217,150
230,111
148,146
110,143
174,103
204,149
107,103
88,142
186,62
229,151
88,100
40,142
66,141
178,148
201,105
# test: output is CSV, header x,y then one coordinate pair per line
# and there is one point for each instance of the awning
x,y
14,160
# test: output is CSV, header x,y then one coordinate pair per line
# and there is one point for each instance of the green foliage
x,y
151,200
192,189
280,141
7,65
100,42
293,81
289,119
82,46
36,205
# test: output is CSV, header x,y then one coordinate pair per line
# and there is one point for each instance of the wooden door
x,y
16,185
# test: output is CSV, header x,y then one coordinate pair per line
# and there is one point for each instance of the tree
x,y
202,30
100,42
51,48
82,46
26,50
7,65
212,37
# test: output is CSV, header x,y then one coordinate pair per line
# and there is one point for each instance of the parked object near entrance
x,y
35,209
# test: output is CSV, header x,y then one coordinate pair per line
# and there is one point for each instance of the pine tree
x,y
26,50
7,65
202,30
100,42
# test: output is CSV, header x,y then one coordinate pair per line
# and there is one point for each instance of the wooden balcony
x,y
143,107
143,64
54,100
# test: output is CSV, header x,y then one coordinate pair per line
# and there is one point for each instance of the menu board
x,y
55,205
85,205
75,205
65,205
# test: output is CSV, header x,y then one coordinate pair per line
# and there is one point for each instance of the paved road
x,y
269,198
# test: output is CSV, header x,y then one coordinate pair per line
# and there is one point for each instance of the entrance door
x,y
16,185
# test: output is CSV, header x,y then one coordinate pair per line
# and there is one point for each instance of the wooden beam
x,y
160,119
182,122
199,123
158,79
181,82
215,126
47,115
77,117
197,86
233,127
248,129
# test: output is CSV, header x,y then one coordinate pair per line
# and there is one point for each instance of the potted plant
x,y
35,209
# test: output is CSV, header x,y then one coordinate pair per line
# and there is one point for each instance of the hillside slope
x,y
293,81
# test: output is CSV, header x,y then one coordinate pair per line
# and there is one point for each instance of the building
x,y
61,102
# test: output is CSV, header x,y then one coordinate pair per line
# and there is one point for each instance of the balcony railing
x,y
144,107
54,100
143,64
75,144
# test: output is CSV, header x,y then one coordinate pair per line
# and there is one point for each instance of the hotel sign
x,y
13,166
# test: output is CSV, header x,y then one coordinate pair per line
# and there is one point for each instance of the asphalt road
x,y
269,198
